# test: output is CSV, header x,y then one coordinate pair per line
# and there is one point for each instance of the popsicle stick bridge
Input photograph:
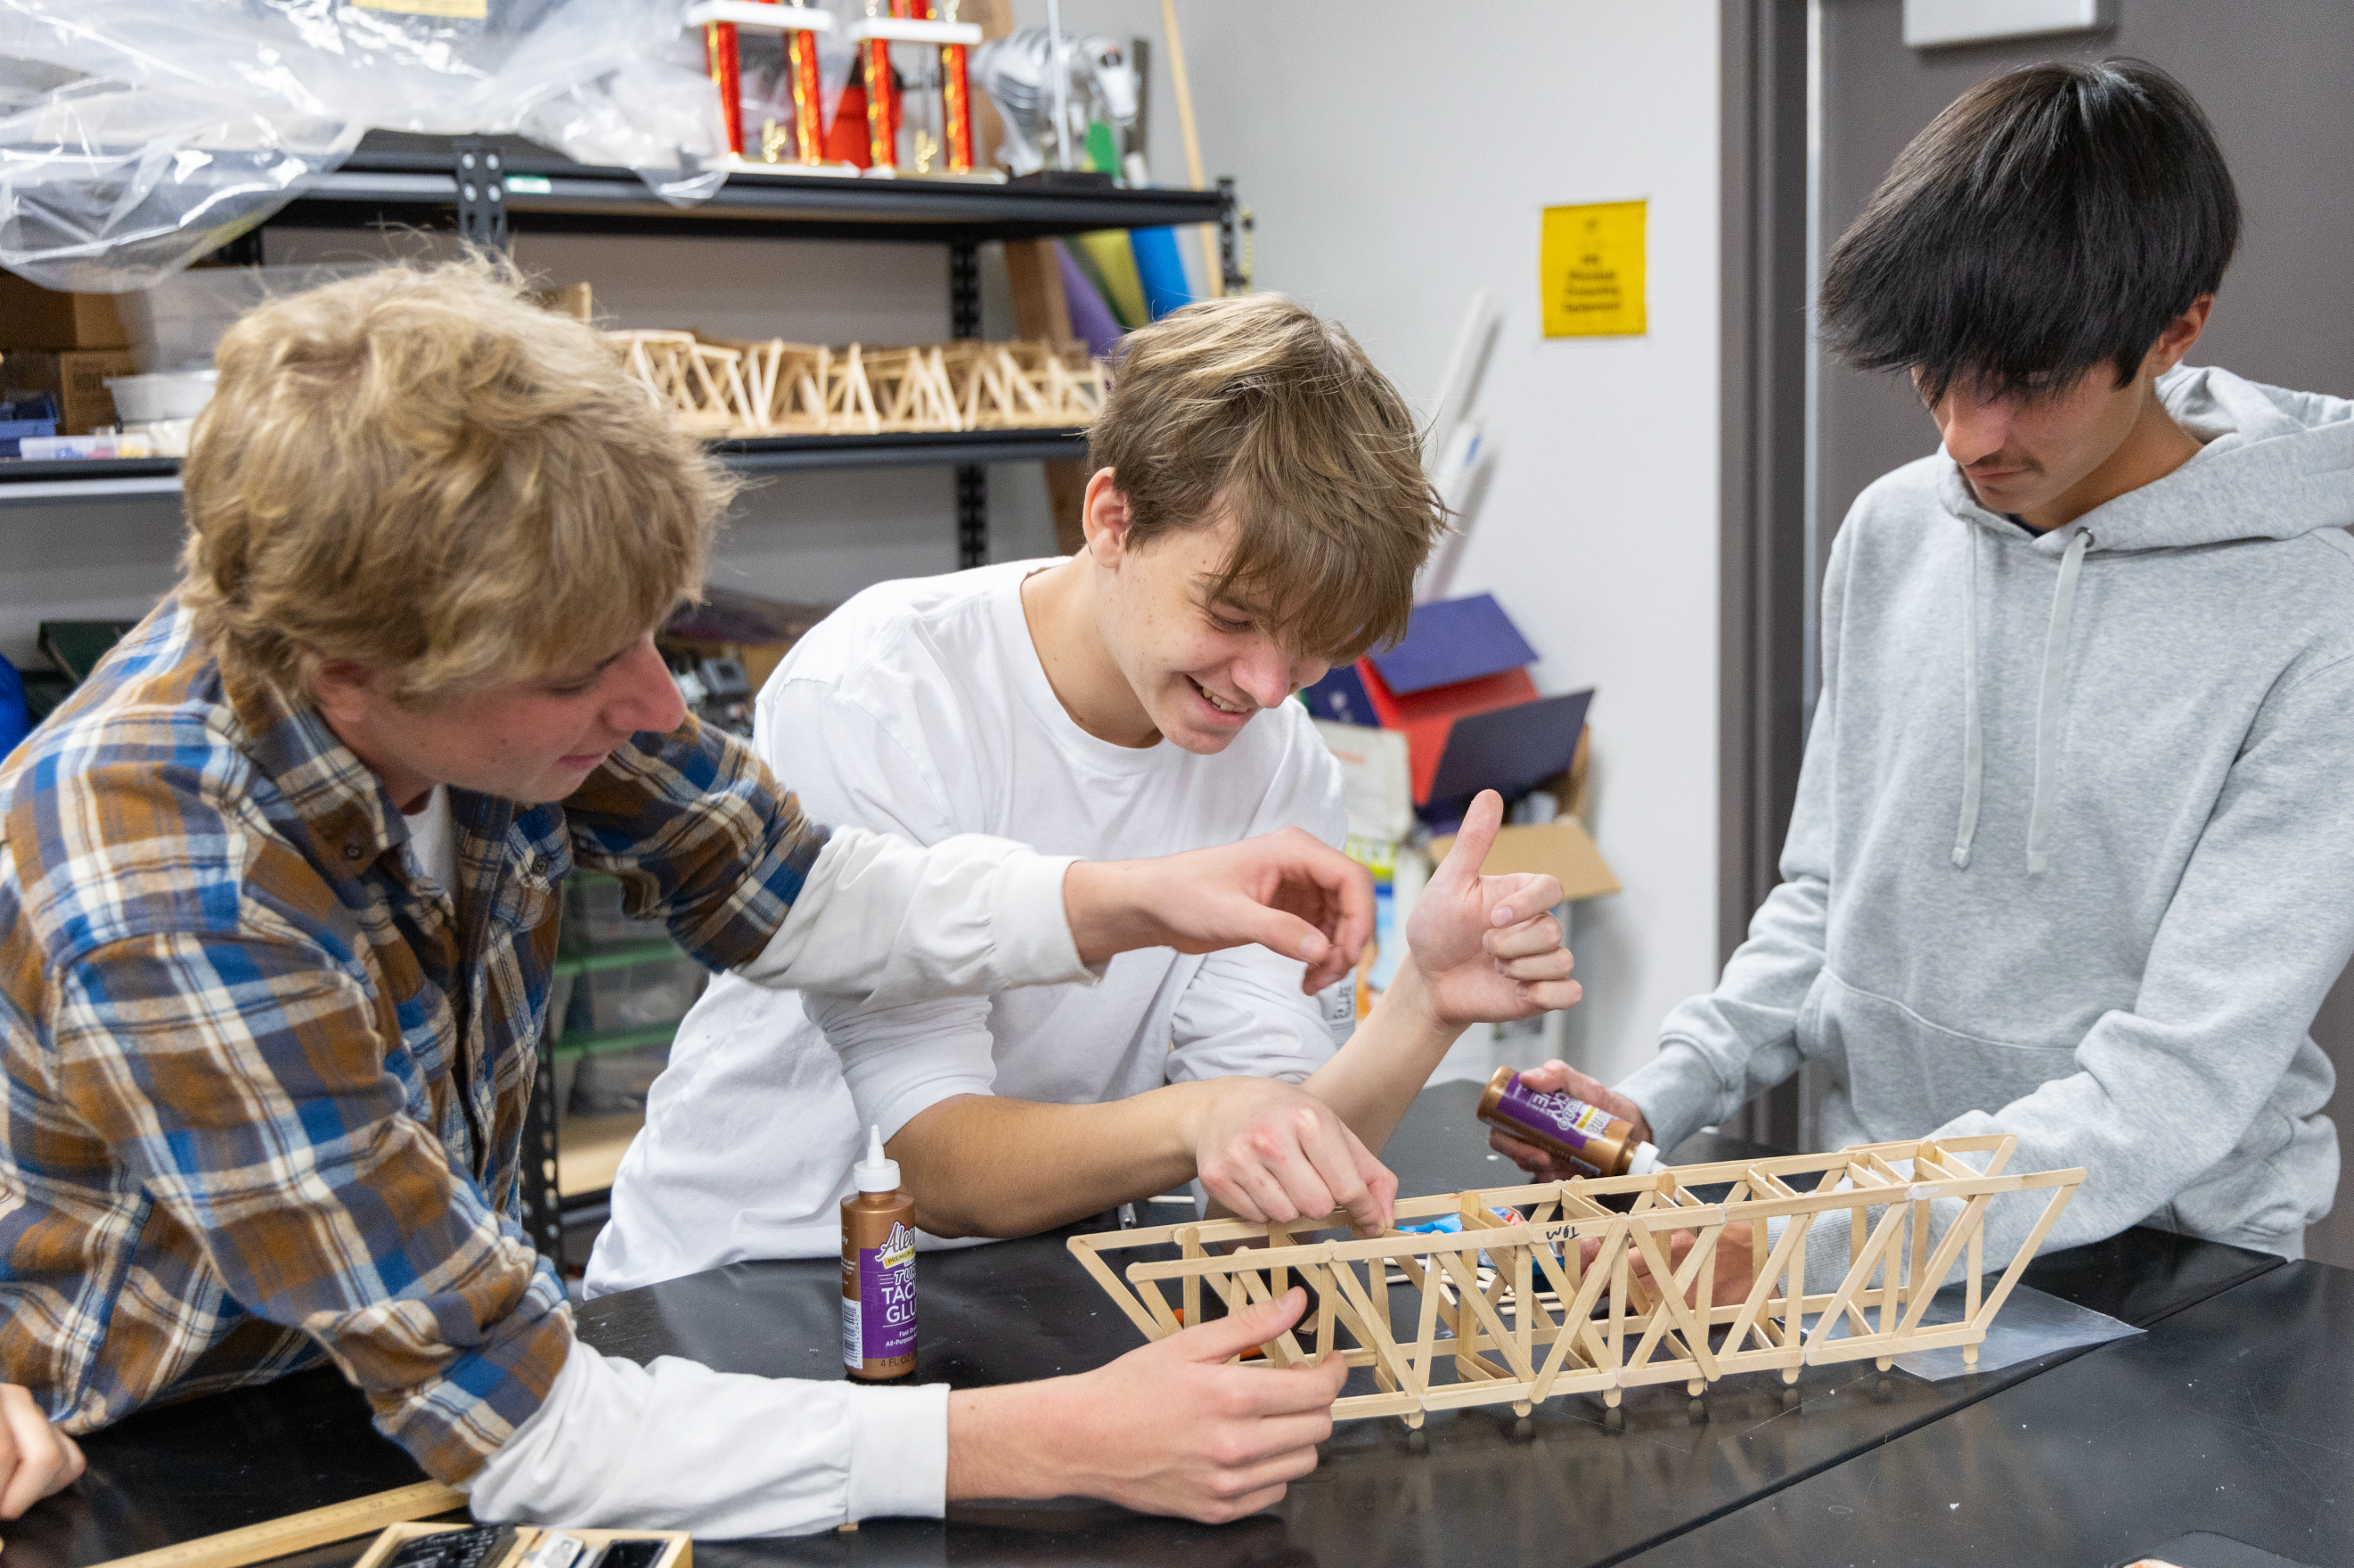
x,y
1541,1318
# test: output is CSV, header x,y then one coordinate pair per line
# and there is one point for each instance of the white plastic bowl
x,y
167,395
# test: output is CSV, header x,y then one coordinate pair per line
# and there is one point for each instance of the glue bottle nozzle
x,y
877,1172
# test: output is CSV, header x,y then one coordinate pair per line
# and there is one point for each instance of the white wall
x,y
1395,165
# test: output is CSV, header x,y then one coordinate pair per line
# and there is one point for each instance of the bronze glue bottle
x,y
878,1270
1589,1138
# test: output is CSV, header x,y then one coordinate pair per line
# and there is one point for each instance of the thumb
x,y
1473,840
1224,1338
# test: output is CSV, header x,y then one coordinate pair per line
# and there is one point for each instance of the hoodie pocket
x,y
1906,1074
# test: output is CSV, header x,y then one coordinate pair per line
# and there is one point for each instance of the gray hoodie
x,y
2072,856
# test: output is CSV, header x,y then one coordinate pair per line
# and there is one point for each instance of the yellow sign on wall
x,y
1590,268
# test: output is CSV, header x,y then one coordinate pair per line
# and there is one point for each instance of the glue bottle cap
x,y
876,1174
1645,1160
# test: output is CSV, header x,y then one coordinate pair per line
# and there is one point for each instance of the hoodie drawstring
x,y
2047,701
2047,708
1973,744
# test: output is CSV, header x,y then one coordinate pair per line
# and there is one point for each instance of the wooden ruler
x,y
1214,270
301,1531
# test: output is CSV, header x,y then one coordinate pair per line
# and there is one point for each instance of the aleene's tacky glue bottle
x,y
878,1270
1593,1140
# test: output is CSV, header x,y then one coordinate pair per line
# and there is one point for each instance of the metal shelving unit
x,y
511,186
488,188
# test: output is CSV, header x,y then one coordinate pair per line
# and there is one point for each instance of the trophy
x,y
918,115
800,23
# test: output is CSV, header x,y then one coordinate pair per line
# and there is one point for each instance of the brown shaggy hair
x,y
1252,408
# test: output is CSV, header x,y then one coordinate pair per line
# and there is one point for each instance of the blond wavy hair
x,y
423,471
1254,408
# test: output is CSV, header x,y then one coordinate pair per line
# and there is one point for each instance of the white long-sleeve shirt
x,y
920,708
676,1445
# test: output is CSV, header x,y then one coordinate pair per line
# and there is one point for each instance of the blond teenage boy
x,y
278,897
1256,514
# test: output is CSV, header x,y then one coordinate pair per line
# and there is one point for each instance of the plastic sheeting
x,y
2031,1324
137,135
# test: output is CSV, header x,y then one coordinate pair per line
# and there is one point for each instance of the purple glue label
x,y
884,1327
1563,1115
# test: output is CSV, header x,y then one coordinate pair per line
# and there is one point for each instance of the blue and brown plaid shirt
x,y
266,1080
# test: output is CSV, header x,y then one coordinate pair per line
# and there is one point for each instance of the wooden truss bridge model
x,y
1526,1326
778,388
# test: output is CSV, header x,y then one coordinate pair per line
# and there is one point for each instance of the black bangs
x,y
2051,219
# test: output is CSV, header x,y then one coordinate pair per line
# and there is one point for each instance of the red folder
x,y
1426,716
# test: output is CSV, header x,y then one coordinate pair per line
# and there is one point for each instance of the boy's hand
x,y
35,1458
1288,890
1733,1266
1488,946
1171,1428
1552,1078
1266,1150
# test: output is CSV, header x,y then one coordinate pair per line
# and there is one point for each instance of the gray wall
x,y
2275,77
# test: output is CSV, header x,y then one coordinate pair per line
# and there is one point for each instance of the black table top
x,y
178,1471
1573,1483
1570,1484
2227,1421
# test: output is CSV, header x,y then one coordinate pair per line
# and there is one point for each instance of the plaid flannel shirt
x,y
266,1080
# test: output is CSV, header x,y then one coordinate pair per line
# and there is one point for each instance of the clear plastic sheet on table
x,y
2032,1323
137,135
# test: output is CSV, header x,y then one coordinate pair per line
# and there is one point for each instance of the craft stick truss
x,y
1539,1319
746,389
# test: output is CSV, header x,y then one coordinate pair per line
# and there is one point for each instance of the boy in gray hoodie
x,y
2073,855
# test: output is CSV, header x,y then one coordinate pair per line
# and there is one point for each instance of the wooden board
x,y
301,1531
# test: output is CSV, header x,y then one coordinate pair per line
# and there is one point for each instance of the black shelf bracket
x,y
1233,235
543,1201
971,478
972,516
480,169
964,290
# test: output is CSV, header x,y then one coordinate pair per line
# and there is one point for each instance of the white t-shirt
x,y
920,708
433,839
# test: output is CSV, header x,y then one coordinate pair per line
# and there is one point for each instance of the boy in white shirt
x,y
1257,514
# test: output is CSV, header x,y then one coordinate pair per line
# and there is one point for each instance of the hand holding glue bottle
x,y
1557,1123
1543,1122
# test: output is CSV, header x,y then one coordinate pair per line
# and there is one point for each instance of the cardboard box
x,y
1561,847
1568,788
75,377
35,317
